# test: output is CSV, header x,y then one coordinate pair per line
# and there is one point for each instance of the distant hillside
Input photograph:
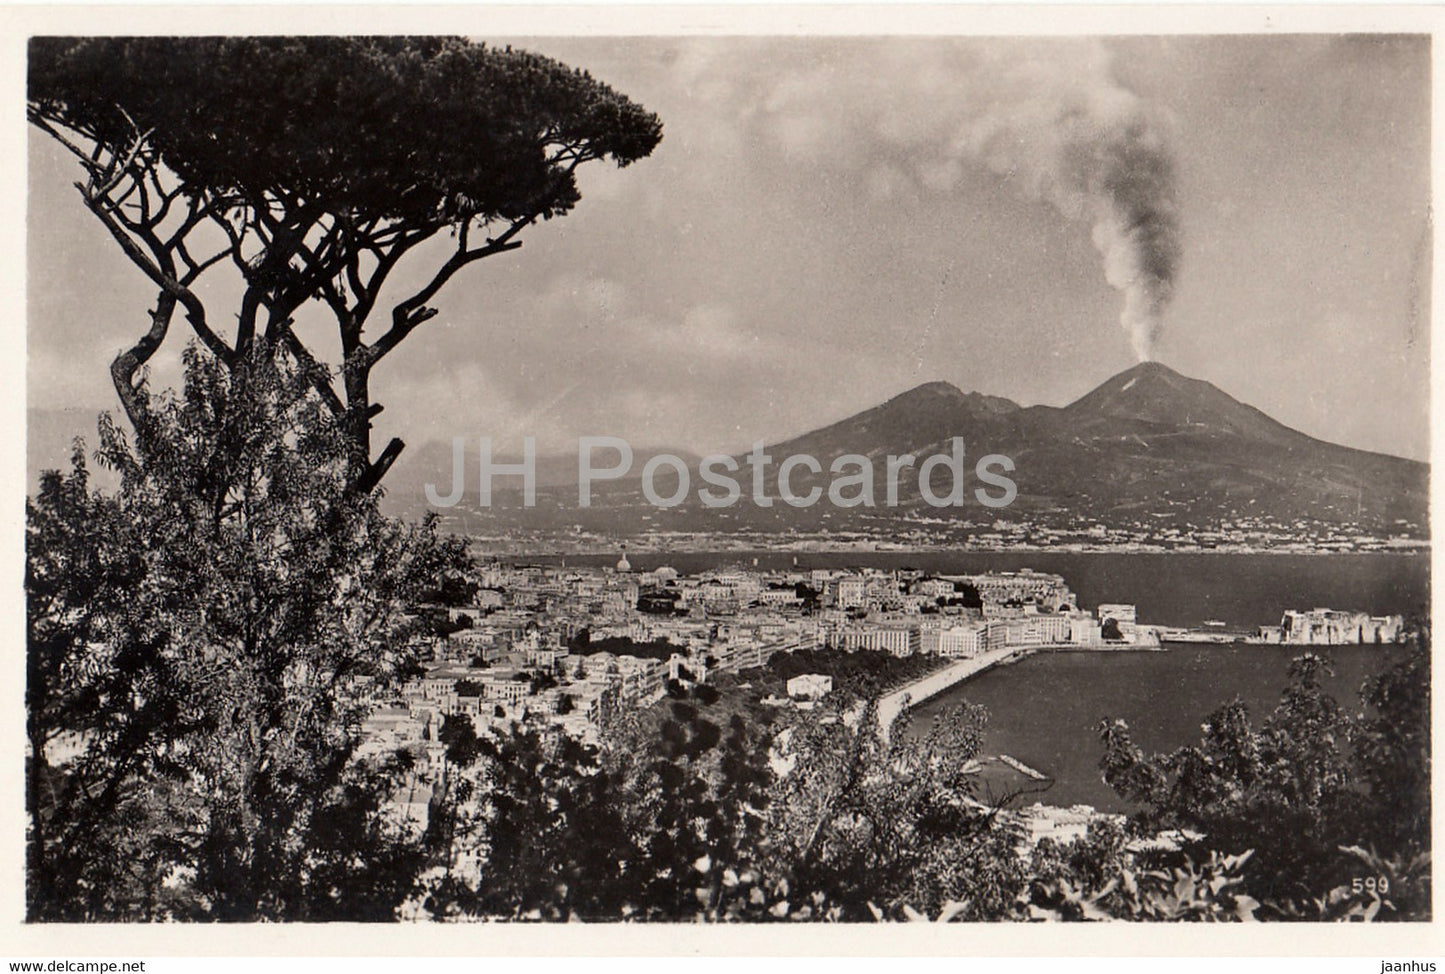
x,y
1147,443
1150,436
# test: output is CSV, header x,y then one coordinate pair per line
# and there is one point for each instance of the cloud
x,y
1049,118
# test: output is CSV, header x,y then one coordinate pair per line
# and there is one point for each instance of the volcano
x,y
1150,442
1154,395
1148,446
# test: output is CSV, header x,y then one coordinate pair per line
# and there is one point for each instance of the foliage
x,y
454,591
440,622
696,813
85,654
1212,892
697,805
1383,888
202,649
660,648
1313,783
347,126
819,816
861,674
564,831
1391,744
460,737
659,603
873,823
538,682
808,596
1088,864
541,818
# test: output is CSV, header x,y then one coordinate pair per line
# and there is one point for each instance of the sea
x,y
1044,710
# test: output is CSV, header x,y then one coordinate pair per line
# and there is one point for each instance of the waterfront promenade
x,y
892,704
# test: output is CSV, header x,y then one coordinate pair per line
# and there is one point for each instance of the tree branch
x,y
125,365
195,310
377,469
123,167
315,372
41,122
407,315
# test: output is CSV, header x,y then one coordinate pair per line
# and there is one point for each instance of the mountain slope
x,y
920,418
1152,438
1151,394
1145,441
1147,446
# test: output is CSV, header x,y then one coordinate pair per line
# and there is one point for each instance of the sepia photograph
x,y
722,477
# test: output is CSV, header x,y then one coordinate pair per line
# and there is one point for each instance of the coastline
x,y
894,703
897,702
606,547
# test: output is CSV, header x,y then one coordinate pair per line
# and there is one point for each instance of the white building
x,y
1331,627
810,686
850,592
898,640
961,641
1119,611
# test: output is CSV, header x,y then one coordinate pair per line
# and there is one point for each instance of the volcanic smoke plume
x,y
1057,120
1046,115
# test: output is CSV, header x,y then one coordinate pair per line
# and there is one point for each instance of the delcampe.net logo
x,y
940,480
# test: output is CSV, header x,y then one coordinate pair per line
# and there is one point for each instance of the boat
x,y
1216,623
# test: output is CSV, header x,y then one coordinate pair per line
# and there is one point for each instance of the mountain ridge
x,y
1146,444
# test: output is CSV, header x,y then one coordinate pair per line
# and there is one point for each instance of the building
x,y
1042,588
850,592
1119,611
1330,627
1085,629
778,598
641,679
810,686
962,641
504,687
898,640
392,725
1063,825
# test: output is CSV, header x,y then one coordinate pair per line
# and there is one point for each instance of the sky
x,y
829,222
